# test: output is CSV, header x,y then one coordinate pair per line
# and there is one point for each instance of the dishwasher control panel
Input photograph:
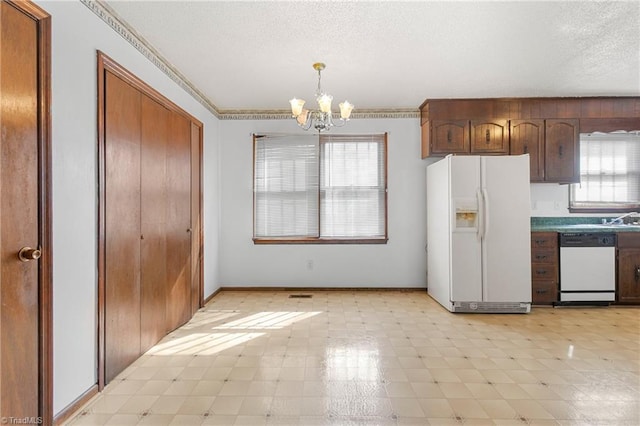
x,y
587,239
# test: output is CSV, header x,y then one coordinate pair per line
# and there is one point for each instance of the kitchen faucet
x,y
618,220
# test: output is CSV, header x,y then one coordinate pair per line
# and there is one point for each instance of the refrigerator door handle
x,y
485,212
480,232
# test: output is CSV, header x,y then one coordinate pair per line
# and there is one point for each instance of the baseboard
x,y
71,409
211,296
298,289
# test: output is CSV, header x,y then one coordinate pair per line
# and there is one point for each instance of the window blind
x,y
320,187
609,171
285,186
352,186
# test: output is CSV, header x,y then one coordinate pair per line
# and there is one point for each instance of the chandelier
x,y
321,119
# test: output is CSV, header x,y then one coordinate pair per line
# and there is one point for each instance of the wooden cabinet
x,y
546,128
449,137
552,146
490,137
628,267
527,137
544,268
481,137
561,153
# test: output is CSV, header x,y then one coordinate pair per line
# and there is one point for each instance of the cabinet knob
x,y
541,272
541,291
637,273
487,136
27,253
526,149
448,136
560,150
541,256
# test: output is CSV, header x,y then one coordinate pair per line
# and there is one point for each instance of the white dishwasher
x,y
587,268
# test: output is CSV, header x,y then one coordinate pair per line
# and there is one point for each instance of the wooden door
x,y
122,225
178,221
25,326
153,222
448,137
562,157
490,137
196,223
527,137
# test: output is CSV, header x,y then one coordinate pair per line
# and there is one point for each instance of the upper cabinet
x,y
449,136
548,129
527,137
561,153
490,137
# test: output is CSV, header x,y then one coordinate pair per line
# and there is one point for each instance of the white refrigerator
x,y
478,233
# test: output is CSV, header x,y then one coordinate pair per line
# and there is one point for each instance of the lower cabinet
x,y
628,268
544,268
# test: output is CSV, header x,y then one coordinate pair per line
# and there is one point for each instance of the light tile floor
x,y
379,358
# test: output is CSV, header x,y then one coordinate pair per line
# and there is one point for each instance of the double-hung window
x,y
609,173
320,188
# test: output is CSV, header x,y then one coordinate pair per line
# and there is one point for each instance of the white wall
x,y
399,263
76,35
549,199
552,200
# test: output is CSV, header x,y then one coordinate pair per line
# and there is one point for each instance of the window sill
x,y
612,210
320,241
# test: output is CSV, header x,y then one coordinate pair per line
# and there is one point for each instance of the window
x,y
609,172
320,188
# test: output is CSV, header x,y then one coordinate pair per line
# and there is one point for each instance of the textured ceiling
x,y
390,55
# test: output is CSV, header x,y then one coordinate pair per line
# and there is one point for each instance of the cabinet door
x,y
629,275
449,137
561,151
178,230
153,222
527,137
490,137
122,225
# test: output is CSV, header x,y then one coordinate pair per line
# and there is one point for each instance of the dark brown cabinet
x,y
544,268
628,268
561,153
449,137
545,128
469,137
527,137
552,146
490,137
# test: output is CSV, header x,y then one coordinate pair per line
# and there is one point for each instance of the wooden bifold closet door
x,y
151,198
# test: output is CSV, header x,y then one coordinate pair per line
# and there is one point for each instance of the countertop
x,y
578,224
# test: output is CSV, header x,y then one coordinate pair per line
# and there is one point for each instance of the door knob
x,y
27,253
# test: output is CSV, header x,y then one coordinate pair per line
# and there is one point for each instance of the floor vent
x,y
300,296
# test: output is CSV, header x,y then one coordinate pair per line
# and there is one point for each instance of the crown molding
x,y
285,114
119,25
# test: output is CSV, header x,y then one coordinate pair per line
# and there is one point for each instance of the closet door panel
x,y
153,211
178,221
196,220
122,225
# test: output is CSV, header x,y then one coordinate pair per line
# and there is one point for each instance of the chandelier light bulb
x,y
324,102
296,106
345,110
